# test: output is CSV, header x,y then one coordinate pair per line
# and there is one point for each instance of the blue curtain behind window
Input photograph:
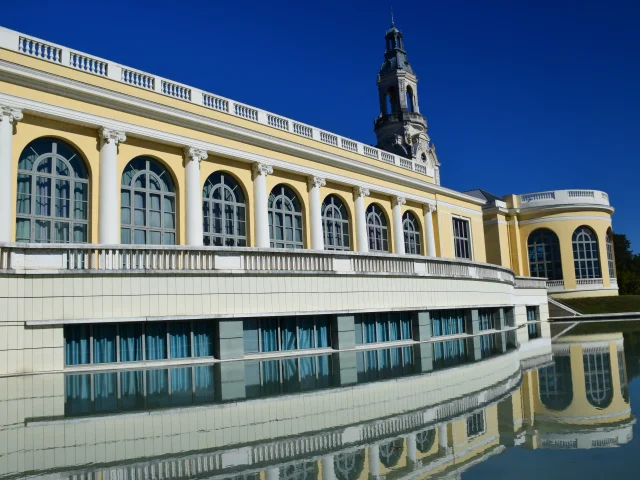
x,y
156,340
290,382
308,373
383,327
181,389
406,325
394,326
78,395
436,324
357,325
131,342
131,390
305,330
203,384
269,327
322,332
76,344
180,339
369,329
270,377
157,388
202,339
105,392
104,343
251,342
288,330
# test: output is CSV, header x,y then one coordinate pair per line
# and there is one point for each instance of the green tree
x,y
627,265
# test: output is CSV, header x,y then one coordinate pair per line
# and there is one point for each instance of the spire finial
x,y
392,22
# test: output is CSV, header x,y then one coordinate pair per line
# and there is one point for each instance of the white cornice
x,y
549,210
562,219
90,120
453,206
85,92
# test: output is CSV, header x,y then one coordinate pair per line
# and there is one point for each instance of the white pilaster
x,y
108,201
261,210
443,441
192,158
328,471
412,449
374,461
8,116
315,207
398,231
428,225
361,218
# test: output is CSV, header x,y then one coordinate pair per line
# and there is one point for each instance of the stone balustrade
x,y
27,45
562,197
531,282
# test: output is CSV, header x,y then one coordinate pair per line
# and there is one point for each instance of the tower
x,y
400,128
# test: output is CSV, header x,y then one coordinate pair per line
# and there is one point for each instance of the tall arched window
x,y
390,100
391,452
411,229
335,224
285,218
597,378
147,204
224,211
377,229
409,96
425,440
53,194
544,254
585,253
610,257
555,384
349,466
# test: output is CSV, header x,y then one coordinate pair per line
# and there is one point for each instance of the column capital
x,y
429,208
11,114
261,169
196,154
360,192
316,182
399,200
109,135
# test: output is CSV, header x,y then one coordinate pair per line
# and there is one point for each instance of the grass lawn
x,y
621,304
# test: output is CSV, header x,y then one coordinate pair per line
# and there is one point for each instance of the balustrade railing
x,y
531,282
15,41
56,258
563,197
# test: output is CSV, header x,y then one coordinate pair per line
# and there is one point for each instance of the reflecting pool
x,y
561,409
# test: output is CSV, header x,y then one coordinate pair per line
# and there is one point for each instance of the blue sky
x,y
520,96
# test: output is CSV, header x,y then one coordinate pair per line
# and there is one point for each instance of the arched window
x,y
544,254
348,466
597,378
299,471
622,373
555,384
409,96
391,452
377,229
425,440
285,218
335,224
411,229
610,258
53,194
585,253
390,100
224,211
147,204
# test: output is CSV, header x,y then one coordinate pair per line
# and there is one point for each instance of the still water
x,y
544,410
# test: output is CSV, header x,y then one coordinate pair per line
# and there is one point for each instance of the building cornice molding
x,y
453,206
91,120
550,210
561,219
32,78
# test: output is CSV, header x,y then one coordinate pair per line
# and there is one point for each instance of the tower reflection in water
x,y
409,412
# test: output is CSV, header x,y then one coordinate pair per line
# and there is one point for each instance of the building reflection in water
x,y
406,412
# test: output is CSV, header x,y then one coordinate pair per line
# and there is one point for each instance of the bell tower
x,y
400,128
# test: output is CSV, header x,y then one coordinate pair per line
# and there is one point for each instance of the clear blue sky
x,y
520,96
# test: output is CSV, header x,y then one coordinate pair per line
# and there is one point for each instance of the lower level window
x,y
136,342
385,363
533,328
382,327
288,333
447,322
450,353
475,424
486,317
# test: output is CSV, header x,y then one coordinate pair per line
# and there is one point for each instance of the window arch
x,y
299,471
224,211
285,218
425,440
585,253
53,194
610,258
409,96
411,228
335,224
147,204
377,229
390,100
597,378
349,466
544,254
391,452
555,384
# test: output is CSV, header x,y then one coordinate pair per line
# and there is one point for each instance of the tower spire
x,y
393,24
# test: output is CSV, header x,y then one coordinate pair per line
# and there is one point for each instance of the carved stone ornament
x,y
196,154
429,208
360,192
261,169
11,114
399,200
111,136
316,182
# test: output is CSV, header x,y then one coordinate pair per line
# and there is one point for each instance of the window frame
x,y
279,329
458,240
272,211
610,254
412,244
584,249
539,236
377,325
471,419
375,211
208,207
336,204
